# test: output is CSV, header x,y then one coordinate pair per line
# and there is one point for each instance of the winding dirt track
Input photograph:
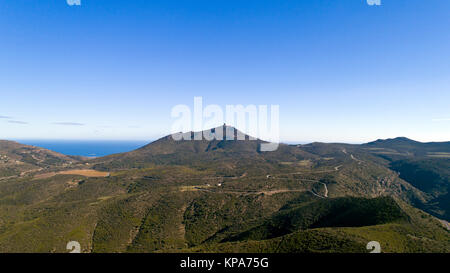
x,y
325,195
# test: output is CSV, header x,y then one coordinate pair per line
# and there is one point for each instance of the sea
x,y
88,148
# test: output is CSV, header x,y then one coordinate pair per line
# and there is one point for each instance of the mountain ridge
x,y
222,196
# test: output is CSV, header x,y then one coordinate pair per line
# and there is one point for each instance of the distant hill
x,y
426,166
405,146
244,153
17,159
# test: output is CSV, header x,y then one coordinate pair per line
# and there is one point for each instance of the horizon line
x,y
148,141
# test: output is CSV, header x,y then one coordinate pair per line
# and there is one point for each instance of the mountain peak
x,y
397,140
228,133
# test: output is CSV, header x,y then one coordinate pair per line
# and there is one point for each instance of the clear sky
x,y
340,70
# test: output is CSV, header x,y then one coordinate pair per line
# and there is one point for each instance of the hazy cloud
x,y
5,117
17,122
69,123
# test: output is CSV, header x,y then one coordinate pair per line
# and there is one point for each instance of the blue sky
x,y
340,70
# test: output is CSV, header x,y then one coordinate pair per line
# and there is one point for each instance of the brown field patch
x,y
193,188
43,175
304,163
87,173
